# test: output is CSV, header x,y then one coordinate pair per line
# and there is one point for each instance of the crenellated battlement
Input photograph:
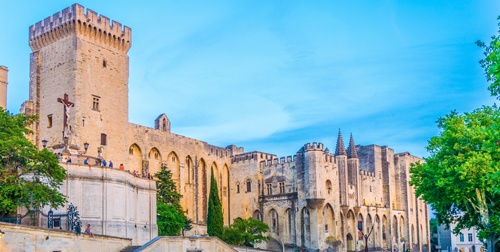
x,y
313,147
74,20
366,174
284,161
254,156
330,158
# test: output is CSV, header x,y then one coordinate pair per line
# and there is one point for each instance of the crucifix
x,y
67,104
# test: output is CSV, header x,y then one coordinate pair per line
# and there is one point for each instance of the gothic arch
x,y
413,236
189,189
202,191
385,229
217,176
289,226
402,230
154,158
173,165
248,185
350,227
342,229
328,186
368,228
257,215
273,218
328,220
134,158
305,227
395,234
225,194
377,232
350,242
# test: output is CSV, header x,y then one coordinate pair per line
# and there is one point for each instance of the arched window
x,y
249,185
164,124
237,187
328,186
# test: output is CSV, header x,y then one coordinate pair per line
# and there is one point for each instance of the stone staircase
x,y
274,245
130,249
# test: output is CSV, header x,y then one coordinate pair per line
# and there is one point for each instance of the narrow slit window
x,y
49,121
104,63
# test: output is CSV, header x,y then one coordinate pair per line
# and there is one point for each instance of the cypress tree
x,y
215,220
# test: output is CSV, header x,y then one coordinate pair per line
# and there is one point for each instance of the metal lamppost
x,y
44,143
86,146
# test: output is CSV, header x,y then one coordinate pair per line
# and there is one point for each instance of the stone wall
x,y
190,161
26,238
186,243
301,197
112,201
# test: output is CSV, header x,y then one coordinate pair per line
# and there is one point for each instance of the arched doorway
x,y
351,246
134,158
328,221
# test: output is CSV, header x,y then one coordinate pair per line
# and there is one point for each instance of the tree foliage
x,y
491,63
170,221
246,232
28,176
215,220
463,157
170,216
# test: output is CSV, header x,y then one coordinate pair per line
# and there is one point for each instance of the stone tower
x,y
3,87
79,72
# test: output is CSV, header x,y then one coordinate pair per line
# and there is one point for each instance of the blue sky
x,y
274,75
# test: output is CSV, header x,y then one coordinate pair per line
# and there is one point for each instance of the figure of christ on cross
x,y
67,104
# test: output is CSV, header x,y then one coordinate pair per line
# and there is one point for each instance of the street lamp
x,y
44,143
86,146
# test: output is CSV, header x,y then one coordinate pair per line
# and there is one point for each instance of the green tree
x,y
491,63
246,232
171,218
455,178
28,176
215,220
170,221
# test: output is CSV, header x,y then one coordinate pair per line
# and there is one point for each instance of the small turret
x,y
351,151
340,150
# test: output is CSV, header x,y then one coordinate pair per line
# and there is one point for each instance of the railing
x,y
73,217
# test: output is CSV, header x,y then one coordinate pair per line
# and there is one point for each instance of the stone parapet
x,y
28,238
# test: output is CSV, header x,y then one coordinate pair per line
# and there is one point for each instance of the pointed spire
x,y
340,150
327,150
351,151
